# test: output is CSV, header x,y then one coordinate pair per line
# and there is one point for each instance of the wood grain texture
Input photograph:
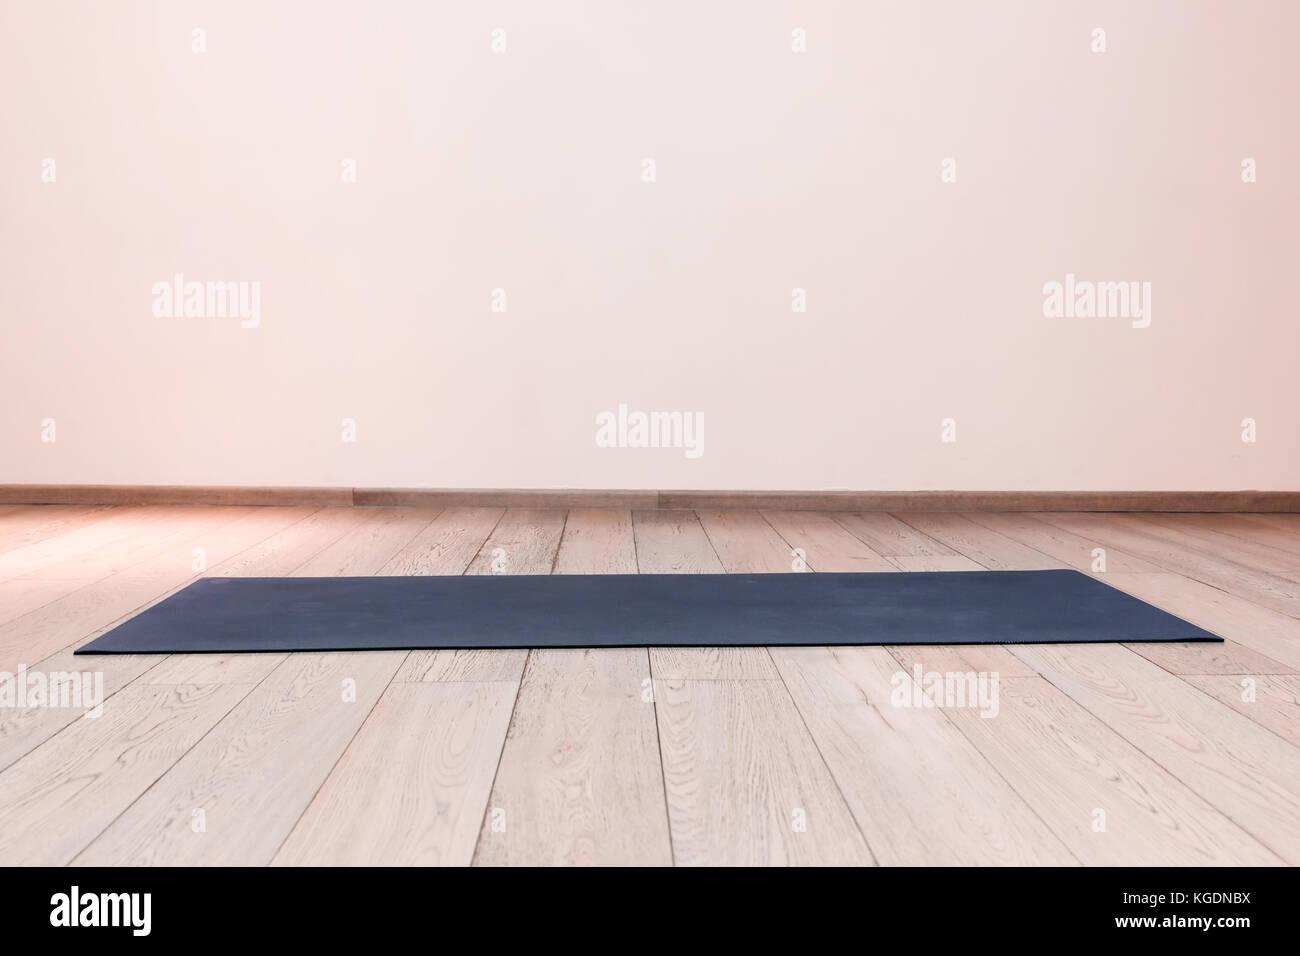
x,y
888,536
525,541
579,782
673,542
1244,551
1112,805
1241,769
87,611
367,547
597,541
711,663
1284,522
287,552
1206,658
447,544
412,788
25,525
57,798
827,546
746,543
19,596
1187,766
105,540
1241,526
160,531
934,562
1269,633
1073,550
941,658
918,789
23,729
463,664
199,669
254,773
1260,587
1273,702
283,552
745,782
987,548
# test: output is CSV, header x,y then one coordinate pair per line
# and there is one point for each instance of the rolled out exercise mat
x,y
224,615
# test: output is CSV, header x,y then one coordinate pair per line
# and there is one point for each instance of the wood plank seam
x,y
141,678
250,688
1180,677
654,702
983,759
514,704
1133,734
1261,838
333,766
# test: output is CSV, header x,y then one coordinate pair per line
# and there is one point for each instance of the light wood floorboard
x,y
579,780
1098,754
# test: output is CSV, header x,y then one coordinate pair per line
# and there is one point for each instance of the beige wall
x,y
775,170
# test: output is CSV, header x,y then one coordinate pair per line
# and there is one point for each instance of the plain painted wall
x,y
776,170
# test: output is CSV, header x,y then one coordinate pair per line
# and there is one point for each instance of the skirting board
x,y
1212,501
172,495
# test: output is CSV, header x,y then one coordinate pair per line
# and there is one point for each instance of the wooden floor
x,y
1099,754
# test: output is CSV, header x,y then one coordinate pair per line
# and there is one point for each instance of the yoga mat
x,y
223,615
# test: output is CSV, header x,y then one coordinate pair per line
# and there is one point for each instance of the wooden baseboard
x,y
172,495
505,498
1261,501
1214,501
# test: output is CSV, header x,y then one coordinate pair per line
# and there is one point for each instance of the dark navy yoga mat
x,y
221,615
